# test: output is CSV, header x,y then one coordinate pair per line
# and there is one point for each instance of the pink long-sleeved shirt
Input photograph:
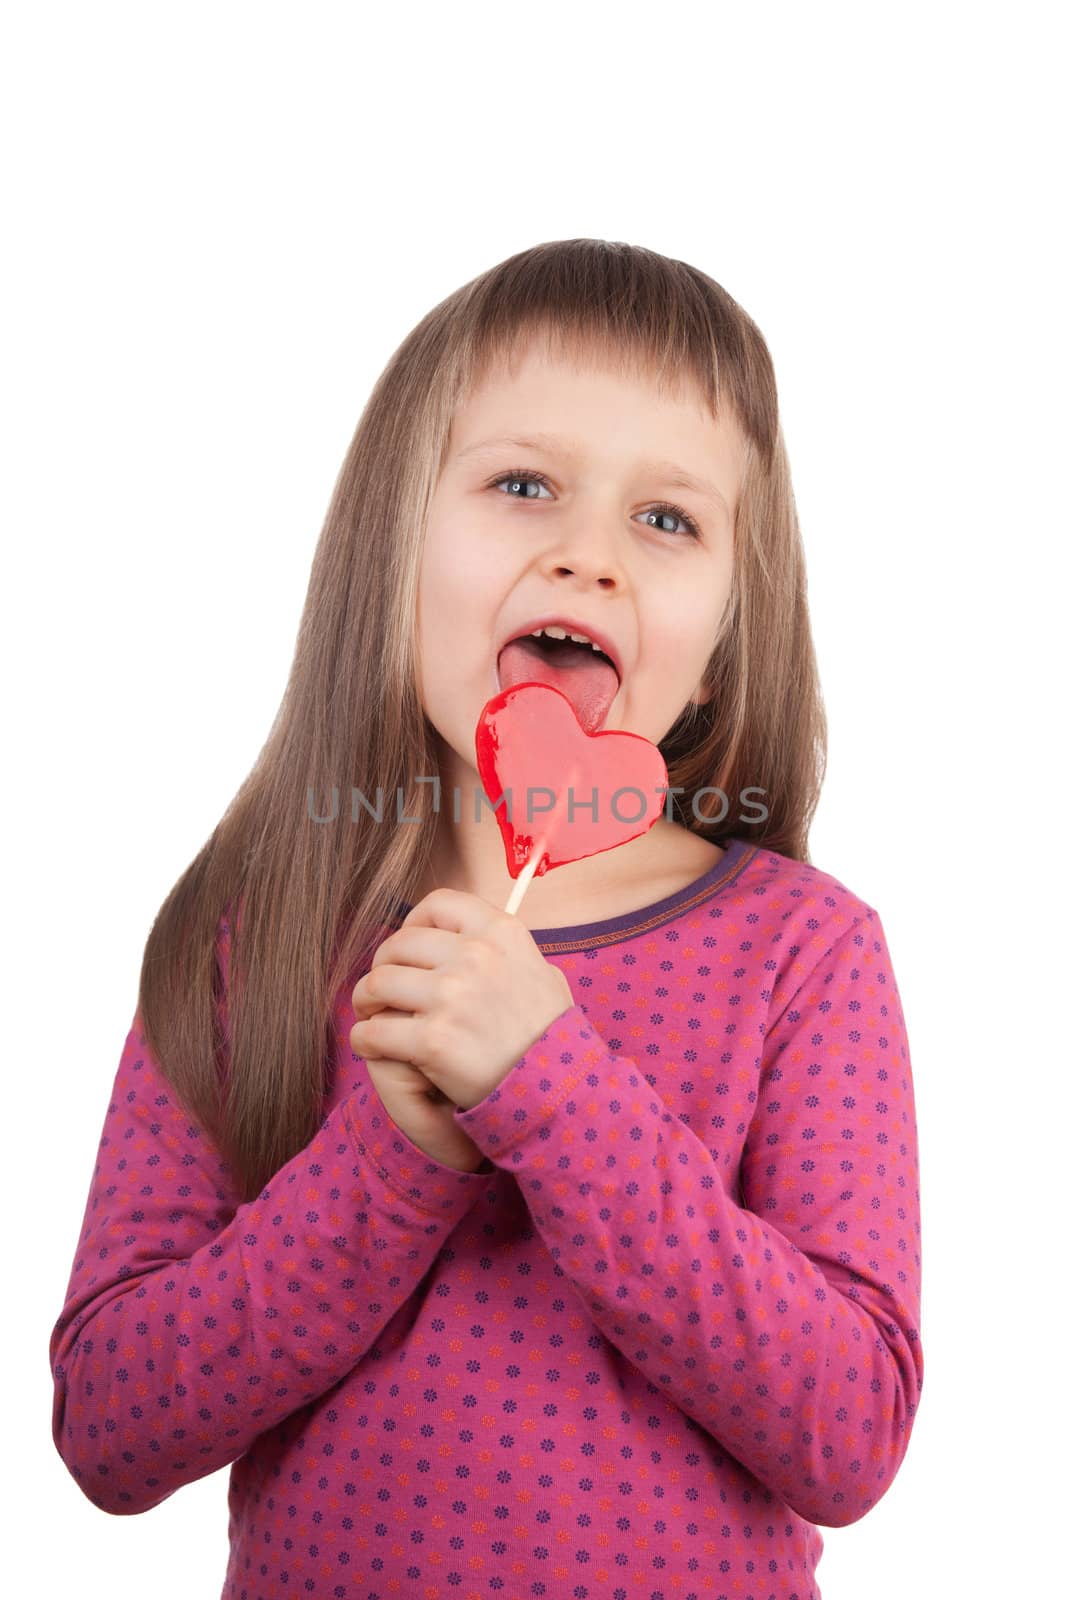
x,y
670,1332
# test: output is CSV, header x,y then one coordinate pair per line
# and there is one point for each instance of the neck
x,y
468,854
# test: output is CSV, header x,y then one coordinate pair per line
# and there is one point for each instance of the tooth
x,y
554,631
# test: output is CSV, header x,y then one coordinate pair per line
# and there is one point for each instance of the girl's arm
x,y
787,1327
192,1323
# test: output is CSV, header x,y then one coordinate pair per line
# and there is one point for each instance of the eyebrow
x,y
669,473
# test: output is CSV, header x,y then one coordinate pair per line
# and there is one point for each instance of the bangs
x,y
676,366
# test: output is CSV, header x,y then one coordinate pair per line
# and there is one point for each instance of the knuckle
x,y
428,1043
437,1041
452,986
508,934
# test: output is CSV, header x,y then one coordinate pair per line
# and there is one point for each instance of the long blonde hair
x,y
251,1063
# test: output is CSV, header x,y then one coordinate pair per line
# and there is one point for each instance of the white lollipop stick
x,y
522,882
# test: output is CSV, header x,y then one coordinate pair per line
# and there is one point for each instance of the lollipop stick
x,y
522,882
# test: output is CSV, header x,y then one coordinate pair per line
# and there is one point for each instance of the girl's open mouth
x,y
584,675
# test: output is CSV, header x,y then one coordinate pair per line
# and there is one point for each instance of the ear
x,y
701,696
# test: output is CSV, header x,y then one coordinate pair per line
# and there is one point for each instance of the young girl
x,y
574,1252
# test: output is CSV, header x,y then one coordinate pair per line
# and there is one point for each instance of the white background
x,y
221,220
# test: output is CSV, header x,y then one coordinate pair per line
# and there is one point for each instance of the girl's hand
x,y
460,991
424,1114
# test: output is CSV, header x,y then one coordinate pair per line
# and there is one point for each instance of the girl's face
x,y
591,541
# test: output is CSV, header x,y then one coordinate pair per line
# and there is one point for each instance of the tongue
x,y
586,678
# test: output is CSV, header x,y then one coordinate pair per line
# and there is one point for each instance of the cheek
x,y
460,595
465,580
455,562
678,637
443,603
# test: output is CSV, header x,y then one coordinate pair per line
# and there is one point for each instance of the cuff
x,y
569,1054
400,1163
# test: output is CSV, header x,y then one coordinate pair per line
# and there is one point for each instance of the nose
x,y
602,580
587,549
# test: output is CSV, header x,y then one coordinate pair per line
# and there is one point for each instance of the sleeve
x,y
787,1327
193,1323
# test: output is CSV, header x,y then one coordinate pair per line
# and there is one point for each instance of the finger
x,y
422,947
365,1048
403,1072
415,946
387,1033
392,987
454,910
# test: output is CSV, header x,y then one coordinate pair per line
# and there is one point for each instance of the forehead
x,y
537,355
604,402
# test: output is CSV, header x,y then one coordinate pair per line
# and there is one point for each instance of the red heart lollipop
x,y
572,793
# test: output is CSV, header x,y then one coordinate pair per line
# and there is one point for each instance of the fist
x,y
460,991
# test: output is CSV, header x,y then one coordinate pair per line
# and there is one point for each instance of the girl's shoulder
x,y
771,875
801,907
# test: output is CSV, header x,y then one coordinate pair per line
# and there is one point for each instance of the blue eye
x,y
527,475
519,475
679,516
